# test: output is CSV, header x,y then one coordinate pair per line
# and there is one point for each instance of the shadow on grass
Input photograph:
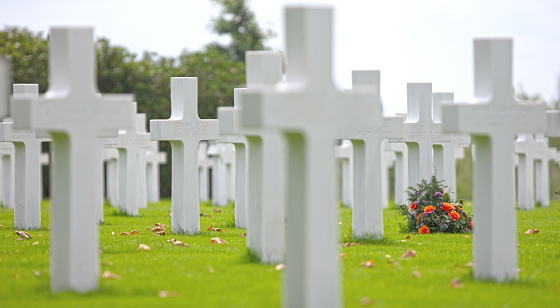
x,y
250,257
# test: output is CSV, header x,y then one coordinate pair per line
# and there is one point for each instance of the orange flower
x,y
454,215
424,230
419,217
414,205
429,209
448,207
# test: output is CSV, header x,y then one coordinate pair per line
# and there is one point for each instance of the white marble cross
x,y
154,158
401,171
421,133
493,120
111,155
388,160
344,154
266,163
5,84
184,130
132,173
73,113
542,170
204,165
311,112
27,211
7,188
444,152
525,147
369,191
218,184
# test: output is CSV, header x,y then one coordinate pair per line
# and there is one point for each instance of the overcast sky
x,y
408,40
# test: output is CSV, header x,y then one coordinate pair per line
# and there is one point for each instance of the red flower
x,y
448,207
454,215
414,205
471,224
424,230
429,209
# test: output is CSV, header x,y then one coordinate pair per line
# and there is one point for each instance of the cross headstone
x,y
229,135
142,155
370,192
493,120
525,147
105,137
311,112
7,153
401,171
388,160
184,130
266,163
27,211
421,132
204,165
543,156
73,113
344,154
154,158
218,184
110,156
132,176
444,153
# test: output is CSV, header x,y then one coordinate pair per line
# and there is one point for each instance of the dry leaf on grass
x,y
343,255
531,231
366,301
166,294
19,239
205,215
457,283
407,237
109,275
144,247
36,243
130,233
37,274
178,243
0,226
279,267
215,229
243,235
22,234
416,274
519,270
217,211
409,254
349,244
40,234
470,264
217,240
369,263
106,263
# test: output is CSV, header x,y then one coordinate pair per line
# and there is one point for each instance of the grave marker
x,y
542,170
7,152
493,121
110,155
370,179
525,147
27,211
204,165
344,154
184,130
266,163
311,112
73,113
154,158
401,171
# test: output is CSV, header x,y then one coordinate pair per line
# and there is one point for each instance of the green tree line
x,y
219,67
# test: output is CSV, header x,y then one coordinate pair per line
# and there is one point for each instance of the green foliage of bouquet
x,y
432,210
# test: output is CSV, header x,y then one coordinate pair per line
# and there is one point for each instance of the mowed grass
x,y
211,275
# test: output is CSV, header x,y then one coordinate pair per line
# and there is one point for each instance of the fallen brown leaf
x,y
214,229
130,233
36,243
279,267
467,236
205,215
144,247
40,234
531,231
109,275
19,239
179,243
470,264
407,237
409,254
160,233
37,274
393,261
106,263
217,211
416,274
211,270
22,234
243,235
456,283
343,255
519,270
349,244
366,301
369,263
166,294
217,240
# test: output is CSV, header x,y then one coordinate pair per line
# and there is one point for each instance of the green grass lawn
x,y
211,275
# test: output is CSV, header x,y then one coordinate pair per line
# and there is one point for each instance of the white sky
x,y
408,40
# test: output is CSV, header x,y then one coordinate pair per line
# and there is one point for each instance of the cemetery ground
x,y
225,275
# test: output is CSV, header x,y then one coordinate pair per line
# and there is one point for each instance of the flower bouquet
x,y
432,210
